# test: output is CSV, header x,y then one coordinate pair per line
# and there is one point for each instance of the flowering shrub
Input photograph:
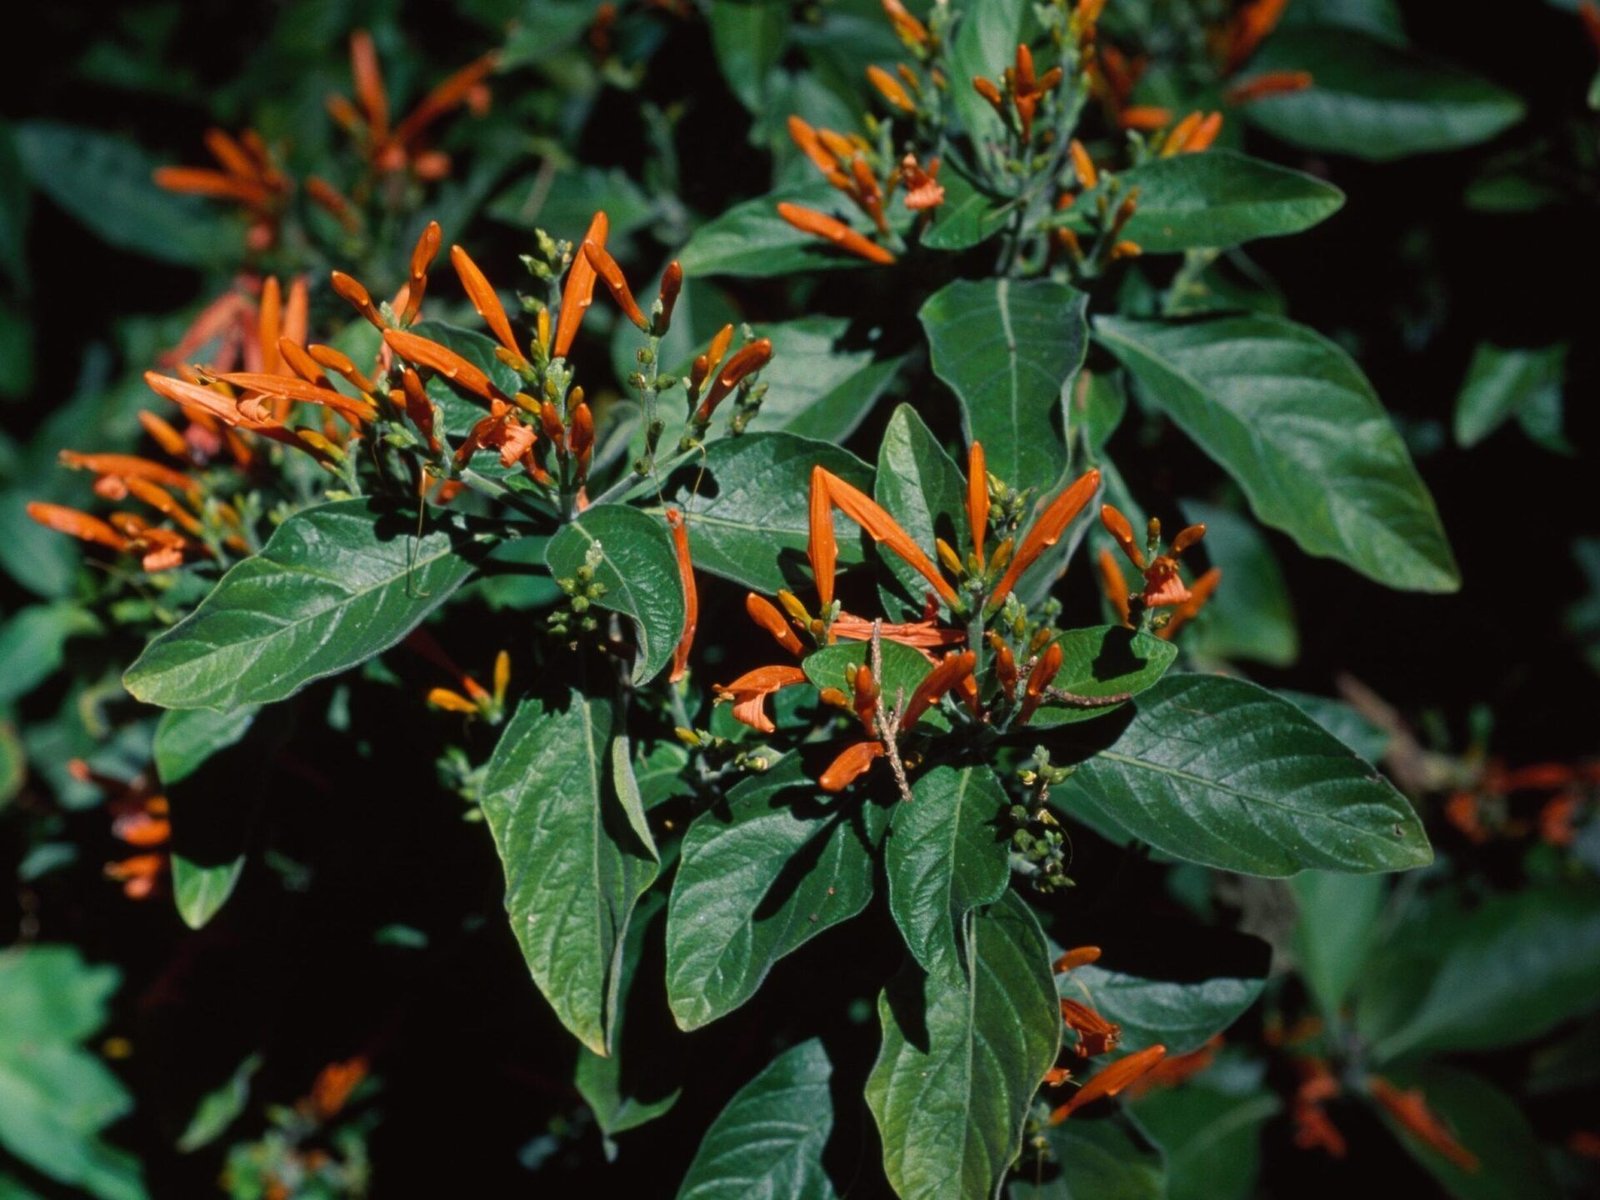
x,y
837,631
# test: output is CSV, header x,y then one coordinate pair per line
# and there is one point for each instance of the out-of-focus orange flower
x,y
248,176
1409,1107
809,220
1110,1081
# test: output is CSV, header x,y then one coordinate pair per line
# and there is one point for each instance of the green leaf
x,y
823,379
1373,100
768,1141
1345,723
632,557
1008,349
903,668
1221,772
920,486
946,856
1379,18
1250,616
962,1057
1489,1124
33,644
574,869
1101,661
1501,383
1212,1139
754,528
1106,1159
1521,965
220,1108
985,43
333,586
748,37
1220,199
1332,939
1294,421
967,217
753,241
1180,1015
761,875
54,1097
564,202
105,181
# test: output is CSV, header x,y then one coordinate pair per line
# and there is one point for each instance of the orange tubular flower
x,y
1122,533
444,361
1198,595
128,466
671,285
1046,531
138,875
1203,136
821,548
1096,1035
1081,956
333,1086
749,693
611,275
578,292
890,89
910,30
352,293
810,143
950,673
923,190
769,618
288,388
1145,117
76,524
880,526
853,762
1113,584
746,362
484,300
1249,28
1410,1108
1110,1081
1043,673
809,220
919,635
691,598
1272,83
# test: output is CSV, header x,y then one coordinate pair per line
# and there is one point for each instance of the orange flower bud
x,y
890,89
76,524
977,499
770,619
853,762
1046,531
743,364
1114,584
1122,532
671,285
442,359
1083,165
809,220
578,292
353,294
1082,956
611,274
691,597
484,299
821,548
1110,1081
1145,117
1273,83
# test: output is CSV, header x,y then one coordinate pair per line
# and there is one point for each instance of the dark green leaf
x,y
33,642
823,380
754,529
1221,772
1220,199
564,202
574,869
1107,1159
1212,1139
631,555
1292,418
220,1108
967,217
1338,921
105,181
1099,662
761,875
946,856
748,37
1008,349
1345,723
768,1141
1182,1016
1501,383
332,587
903,668
1488,1124
1250,616
1373,100
1379,18
920,487
963,1054
1521,965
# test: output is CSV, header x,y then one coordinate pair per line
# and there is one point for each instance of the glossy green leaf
x,y
1220,199
1212,1139
1374,100
962,1055
752,240
967,217
1293,420
768,1141
1344,722
1221,772
903,668
574,869
220,1108
1180,1015
1250,616
1502,383
1489,1125
748,37
921,487
333,586
1106,1159
748,500
55,1098
1008,348
823,380
1337,925
33,643
761,875
105,181
631,555
1522,964
1099,662
945,856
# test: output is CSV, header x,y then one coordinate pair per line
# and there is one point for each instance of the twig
x,y
888,719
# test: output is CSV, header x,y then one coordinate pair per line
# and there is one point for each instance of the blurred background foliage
x,y
138,1056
